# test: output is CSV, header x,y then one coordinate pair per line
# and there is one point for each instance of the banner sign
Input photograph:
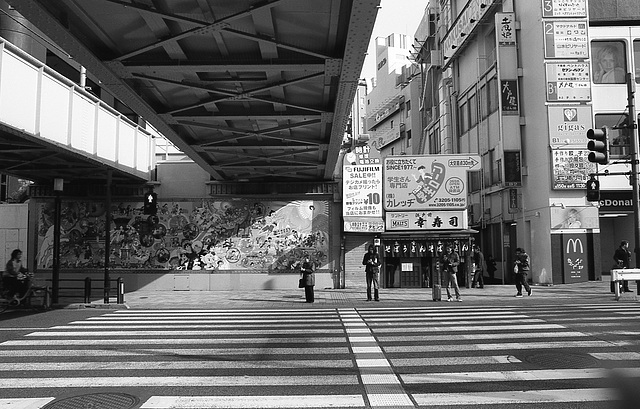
x,y
429,182
427,220
363,225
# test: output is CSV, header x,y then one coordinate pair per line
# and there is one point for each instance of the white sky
x,y
395,16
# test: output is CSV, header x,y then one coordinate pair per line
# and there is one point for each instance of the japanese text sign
x,y
566,39
427,220
430,182
362,183
571,168
568,82
564,8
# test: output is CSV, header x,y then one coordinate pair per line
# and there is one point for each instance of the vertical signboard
x,y
505,28
362,190
509,95
512,168
574,255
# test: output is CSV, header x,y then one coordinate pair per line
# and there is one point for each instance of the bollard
x,y
120,296
87,290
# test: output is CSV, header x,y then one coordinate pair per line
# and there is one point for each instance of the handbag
x,y
301,283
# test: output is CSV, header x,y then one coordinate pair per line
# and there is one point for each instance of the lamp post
x,y
58,186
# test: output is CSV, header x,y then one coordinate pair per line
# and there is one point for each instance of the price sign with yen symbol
x,y
593,190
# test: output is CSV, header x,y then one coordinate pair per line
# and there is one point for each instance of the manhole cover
x,y
95,401
561,360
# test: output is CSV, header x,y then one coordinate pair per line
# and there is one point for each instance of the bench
x,y
620,274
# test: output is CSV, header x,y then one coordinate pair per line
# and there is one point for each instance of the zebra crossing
x,y
394,357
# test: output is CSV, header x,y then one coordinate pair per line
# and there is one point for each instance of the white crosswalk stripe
x,y
321,358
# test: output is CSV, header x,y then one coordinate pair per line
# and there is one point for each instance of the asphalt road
x,y
534,355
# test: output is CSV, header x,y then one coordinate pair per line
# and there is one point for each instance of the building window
x,y
608,62
484,102
473,111
492,94
619,139
392,150
464,117
408,104
496,177
392,124
474,182
408,138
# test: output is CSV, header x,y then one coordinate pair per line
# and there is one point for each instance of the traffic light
x,y
150,203
593,190
598,145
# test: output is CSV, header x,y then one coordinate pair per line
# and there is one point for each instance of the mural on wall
x,y
204,235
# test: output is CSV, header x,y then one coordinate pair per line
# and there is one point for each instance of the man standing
x,y
451,261
522,268
308,278
371,261
478,268
622,257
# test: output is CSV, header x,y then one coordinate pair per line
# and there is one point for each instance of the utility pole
x,y
634,165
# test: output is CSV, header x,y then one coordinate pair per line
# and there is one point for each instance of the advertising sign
x,y
575,257
427,220
362,188
512,168
574,217
427,182
568,81
383,138
568,125
565,39
505,28
509,94
363,225
570,168
564,8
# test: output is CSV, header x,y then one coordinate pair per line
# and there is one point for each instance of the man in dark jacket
x,y
308,278
371,261
451,261
522,269
478,268
622,257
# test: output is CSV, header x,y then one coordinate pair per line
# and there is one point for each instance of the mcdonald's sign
x,y
575,257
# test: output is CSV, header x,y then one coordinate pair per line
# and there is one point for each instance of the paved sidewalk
x,y
589,292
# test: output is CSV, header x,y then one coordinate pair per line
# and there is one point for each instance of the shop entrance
x,y
407,272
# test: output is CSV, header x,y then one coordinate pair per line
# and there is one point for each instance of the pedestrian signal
x,y
593,190
150,203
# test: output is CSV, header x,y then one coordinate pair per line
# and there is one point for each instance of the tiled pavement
x,y
589,292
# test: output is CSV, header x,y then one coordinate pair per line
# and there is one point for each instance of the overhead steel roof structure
x,y
249,90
